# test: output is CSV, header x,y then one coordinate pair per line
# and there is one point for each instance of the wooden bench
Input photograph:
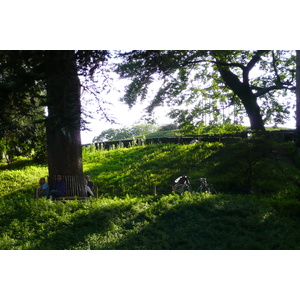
x,y
65,199
79,198
75,188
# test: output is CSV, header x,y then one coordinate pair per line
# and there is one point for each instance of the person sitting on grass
x,y
88,190
43,190
59,188
90,183
194,140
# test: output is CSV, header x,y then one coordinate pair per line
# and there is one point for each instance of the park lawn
x,y
128,216
173,222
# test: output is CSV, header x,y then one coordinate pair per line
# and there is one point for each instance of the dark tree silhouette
x,y
34,74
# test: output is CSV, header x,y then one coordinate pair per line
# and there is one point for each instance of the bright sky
x,y
120,111
124,117
129,117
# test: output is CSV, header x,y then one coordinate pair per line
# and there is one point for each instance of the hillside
x,y
257,205
240,166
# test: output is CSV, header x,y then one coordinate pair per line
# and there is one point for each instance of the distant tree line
x,y
130,132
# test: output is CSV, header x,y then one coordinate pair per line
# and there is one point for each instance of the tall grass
x,y
251,166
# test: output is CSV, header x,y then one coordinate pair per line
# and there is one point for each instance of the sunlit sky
x,y
120,111
124,117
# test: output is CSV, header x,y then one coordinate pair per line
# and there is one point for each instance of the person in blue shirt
x,y
59,188
43,190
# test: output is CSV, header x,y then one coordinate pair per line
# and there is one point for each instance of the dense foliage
x,y
200,82
21,115
32,80
257,206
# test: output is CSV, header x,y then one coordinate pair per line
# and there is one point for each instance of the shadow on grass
x,y
198,227
72,233
17,165
208,225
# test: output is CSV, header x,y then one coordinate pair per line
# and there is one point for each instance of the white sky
x,y
129,117
120,111
124,116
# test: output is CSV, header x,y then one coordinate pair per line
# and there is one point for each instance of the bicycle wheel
x,y
211,189
181,188
207,189
201,189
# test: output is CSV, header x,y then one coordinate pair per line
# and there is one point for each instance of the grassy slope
x,y
19,180
136,170
241,166
142,221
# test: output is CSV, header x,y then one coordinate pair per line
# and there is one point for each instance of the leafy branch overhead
x,y
252,80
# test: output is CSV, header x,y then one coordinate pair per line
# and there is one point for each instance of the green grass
x,y
128,216
243,166
136,170
19,180
161,222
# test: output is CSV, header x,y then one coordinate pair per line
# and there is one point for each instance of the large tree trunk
x,y
298,100
248,99
253,111
63,121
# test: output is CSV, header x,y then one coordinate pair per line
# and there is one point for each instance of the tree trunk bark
x,y
64,113
253,112
298,100
248,99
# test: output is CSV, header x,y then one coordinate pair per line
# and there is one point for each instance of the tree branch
x,y
255,59
263,91
214,62
275,68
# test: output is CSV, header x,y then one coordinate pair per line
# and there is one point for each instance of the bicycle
x,y
183,184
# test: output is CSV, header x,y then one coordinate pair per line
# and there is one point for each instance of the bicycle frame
x,y
180,188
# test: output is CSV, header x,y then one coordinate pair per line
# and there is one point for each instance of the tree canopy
x,y
21,94
249,81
